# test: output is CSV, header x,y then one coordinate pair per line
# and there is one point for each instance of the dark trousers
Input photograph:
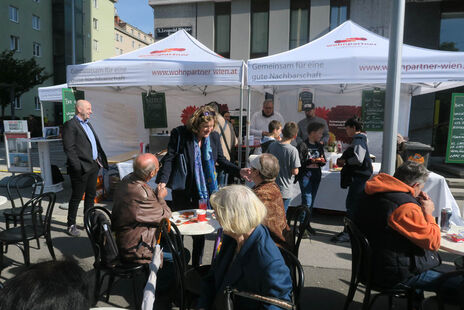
x,y
183,201
80,184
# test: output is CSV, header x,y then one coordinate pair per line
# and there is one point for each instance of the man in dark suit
x,y
85,158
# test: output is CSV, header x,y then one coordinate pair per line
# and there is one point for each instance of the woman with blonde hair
x,y
248,260
202,150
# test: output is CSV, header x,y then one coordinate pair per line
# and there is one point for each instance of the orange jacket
x,y
408,219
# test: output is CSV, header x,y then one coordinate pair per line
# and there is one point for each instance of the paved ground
x,y
326,265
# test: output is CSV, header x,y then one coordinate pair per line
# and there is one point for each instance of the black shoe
x,y
341,237
73,231
311,231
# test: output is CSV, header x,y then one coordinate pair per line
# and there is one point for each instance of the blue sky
x,y
137,13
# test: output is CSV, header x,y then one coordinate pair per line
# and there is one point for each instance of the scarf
x,y
205,171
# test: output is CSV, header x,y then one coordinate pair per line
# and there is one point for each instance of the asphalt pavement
x,y
327,266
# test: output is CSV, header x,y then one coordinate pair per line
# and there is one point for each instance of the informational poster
x,y
373,107
70,97
455,145
17,146
154,110
305,95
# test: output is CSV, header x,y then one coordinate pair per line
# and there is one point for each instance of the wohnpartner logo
x,y
168,50
416,67
350,42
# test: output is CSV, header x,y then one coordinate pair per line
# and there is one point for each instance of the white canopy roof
x,y
353,55
176,60
51,93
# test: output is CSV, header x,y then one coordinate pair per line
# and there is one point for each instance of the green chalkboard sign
x,y
373,106
70,97
154,110
455,146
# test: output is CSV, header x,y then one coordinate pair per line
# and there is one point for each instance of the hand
x,y
245,173
161,186
427,206
340,162
162,192
423,195
265,133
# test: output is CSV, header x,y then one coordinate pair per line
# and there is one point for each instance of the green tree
x,y
448,46
18,76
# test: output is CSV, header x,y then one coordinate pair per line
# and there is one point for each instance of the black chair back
x,y
24,186
97,222
296,273
298,224
33,209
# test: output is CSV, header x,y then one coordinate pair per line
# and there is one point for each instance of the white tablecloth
x,y
125,168
330,196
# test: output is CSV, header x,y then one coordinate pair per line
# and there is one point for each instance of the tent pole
x,y
392,96
240,124
247,153
42,118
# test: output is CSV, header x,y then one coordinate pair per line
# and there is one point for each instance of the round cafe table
x,y
3,200
188,228
451,246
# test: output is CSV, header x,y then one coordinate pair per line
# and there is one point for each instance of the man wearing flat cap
x,y
310,112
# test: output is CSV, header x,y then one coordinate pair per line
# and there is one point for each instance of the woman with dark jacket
x,y
249,260
202,149
357,169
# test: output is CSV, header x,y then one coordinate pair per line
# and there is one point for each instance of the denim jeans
x,y
286,203
425,281
309,184
355,192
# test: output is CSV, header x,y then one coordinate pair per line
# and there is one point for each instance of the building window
x,y
36,1
95,24
140,45
14,43
36,103
17,103
95,45
120,38
13,13
259,28
121,51
35,22
339,12
117,37
36,49
222,28
451,37
95,3
133,43
299,22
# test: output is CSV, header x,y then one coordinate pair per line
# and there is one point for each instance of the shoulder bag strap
x,y
224,137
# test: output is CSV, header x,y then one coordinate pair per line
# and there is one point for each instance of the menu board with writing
x,y
154,110
455,146
69,97
373,106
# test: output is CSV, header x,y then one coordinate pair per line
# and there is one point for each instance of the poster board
x,y
17,146
70,97
154,110
455,145
373,107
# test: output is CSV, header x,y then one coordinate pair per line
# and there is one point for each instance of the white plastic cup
x,y
201,215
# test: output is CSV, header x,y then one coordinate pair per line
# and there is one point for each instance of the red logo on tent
x,y
168,50
350,40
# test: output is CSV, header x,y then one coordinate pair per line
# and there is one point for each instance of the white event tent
x,y
347,60
179,65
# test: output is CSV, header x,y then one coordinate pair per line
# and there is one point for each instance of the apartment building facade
x,y
27,29
129,38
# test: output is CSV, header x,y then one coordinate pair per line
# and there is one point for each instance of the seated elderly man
x,y
137,211
396,216
264,171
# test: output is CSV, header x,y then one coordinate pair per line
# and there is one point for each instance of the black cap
x,y
308,106
269,96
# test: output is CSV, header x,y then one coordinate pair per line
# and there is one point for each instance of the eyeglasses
x,y
208,113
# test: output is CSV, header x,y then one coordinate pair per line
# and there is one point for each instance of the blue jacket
x,y
258,268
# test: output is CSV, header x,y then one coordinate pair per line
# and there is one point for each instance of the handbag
x,y
428,260
179,173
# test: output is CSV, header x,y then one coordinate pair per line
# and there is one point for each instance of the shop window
x,y
451,34
339,12
299,22
259,28
222,28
